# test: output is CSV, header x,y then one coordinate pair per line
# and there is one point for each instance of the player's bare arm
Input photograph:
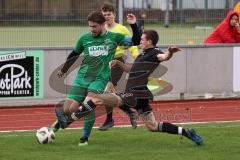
x,y
123,66
131,19
168,54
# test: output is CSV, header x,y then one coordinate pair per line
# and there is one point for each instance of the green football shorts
x,y
81,87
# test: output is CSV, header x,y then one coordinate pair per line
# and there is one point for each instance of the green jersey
x,y
97,53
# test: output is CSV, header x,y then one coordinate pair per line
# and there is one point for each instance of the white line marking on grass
x,y
129,126
16,131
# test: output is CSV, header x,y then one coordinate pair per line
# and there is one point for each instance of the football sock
x,y
83,110
184,133
126,109
55,126
86,133
109,117
109,114
171,129
88,124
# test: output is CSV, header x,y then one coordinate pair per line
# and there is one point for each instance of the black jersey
x,y
143,66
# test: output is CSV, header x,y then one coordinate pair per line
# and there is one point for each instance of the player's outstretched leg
x,y
111,100
170,128
174,129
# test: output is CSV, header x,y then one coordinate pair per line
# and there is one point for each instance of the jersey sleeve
x,y
130,40
79,46
133,49
158,51
123,40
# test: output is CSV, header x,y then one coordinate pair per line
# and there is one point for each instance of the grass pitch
x,y
222,142
68,35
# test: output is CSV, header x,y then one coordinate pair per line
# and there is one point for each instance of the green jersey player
x,y
98,48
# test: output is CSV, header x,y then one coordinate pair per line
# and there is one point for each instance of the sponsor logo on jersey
x,y
101,50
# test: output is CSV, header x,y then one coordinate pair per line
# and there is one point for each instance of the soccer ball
x,y
45,135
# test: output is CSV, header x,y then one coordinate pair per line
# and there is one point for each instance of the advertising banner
x,y
21,74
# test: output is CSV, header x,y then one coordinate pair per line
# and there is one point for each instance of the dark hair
x,y
97,17
151,35
107,8
234,14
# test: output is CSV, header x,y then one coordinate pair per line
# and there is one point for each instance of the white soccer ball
x,y
45,135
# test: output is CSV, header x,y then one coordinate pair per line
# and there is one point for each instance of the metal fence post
x,y
120,11
205,12
166,22
181,11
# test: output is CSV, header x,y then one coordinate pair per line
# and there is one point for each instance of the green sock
x,y
88,124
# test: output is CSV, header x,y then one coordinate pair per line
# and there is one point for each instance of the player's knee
x,y
70,105
151,127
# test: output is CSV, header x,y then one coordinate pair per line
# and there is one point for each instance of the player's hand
x,y
113,63
238,27
173,49
167,55
60,74
131,18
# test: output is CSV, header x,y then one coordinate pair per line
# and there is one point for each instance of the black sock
x,y
55,126
168,127
109,117
83,110
184,133
126,109
171,129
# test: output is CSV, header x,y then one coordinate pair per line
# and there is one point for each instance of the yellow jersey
x,y
118,28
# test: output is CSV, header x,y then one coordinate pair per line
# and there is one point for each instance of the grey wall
x,y
209,70
191,71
